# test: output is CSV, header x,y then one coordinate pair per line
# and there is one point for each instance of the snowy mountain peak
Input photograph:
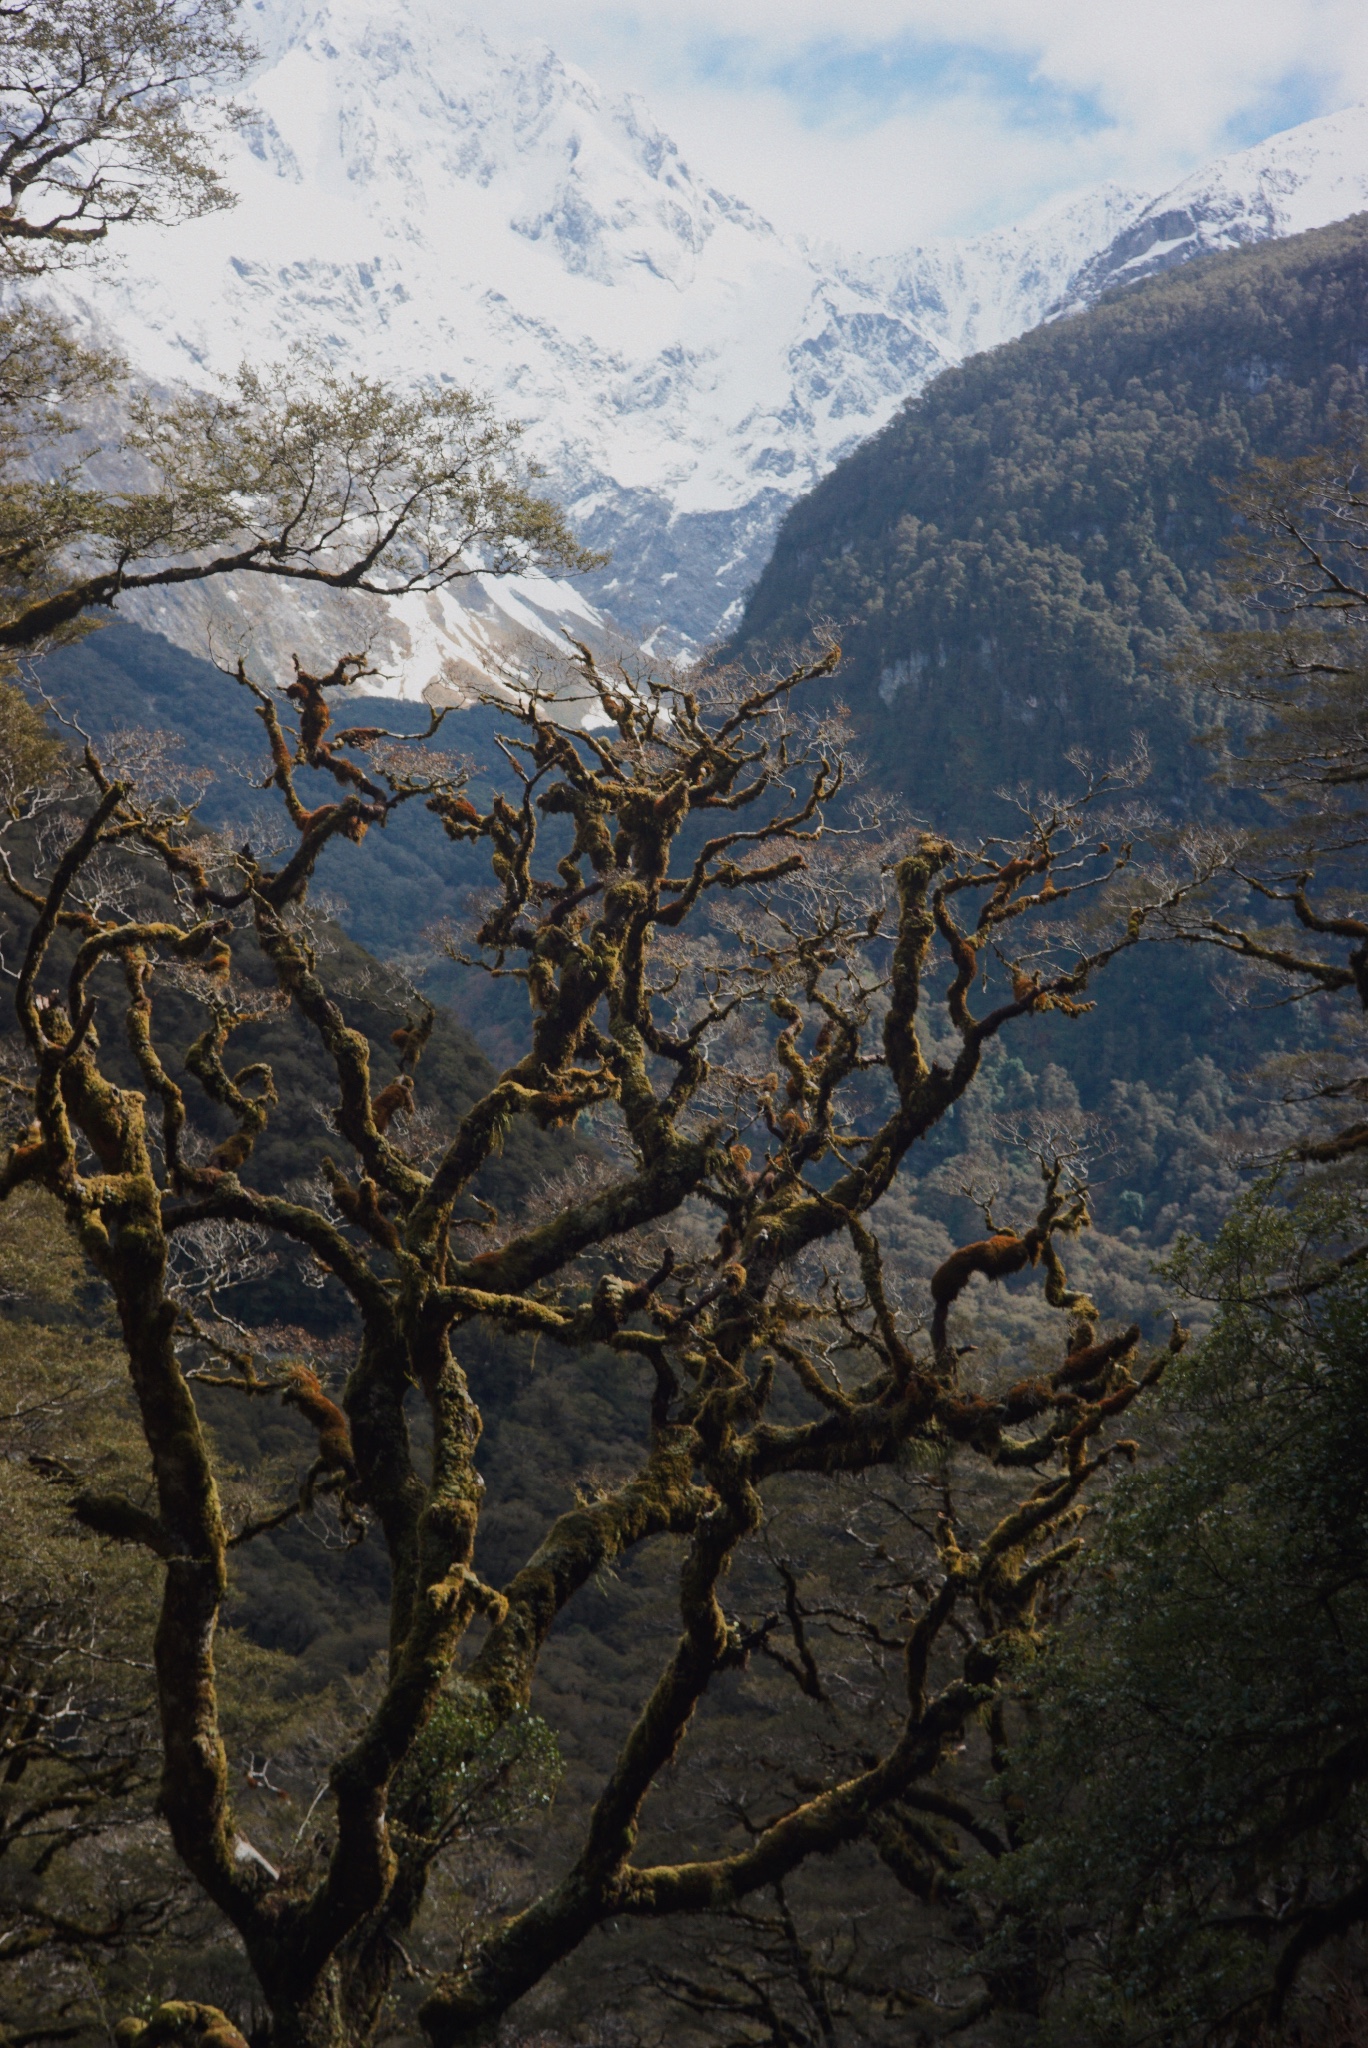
x,y
1303,178
424,201
431,112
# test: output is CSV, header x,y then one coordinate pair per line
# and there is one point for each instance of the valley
x,y
682,1244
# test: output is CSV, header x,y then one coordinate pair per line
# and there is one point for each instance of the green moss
x,y
472,1769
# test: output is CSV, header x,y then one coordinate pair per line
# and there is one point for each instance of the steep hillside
x,y
1012,561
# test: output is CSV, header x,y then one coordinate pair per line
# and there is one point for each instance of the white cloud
x,y
879,121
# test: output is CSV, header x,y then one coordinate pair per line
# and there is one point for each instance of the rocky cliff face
x,y
420,202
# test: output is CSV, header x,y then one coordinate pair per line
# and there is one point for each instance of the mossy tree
x,y
762,1014
93,1910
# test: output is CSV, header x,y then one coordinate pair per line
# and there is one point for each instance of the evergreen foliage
x,y
106,117
1197,1769
1197,1750
1014,561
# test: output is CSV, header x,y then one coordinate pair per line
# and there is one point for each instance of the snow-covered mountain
x,y
424,203
1304,178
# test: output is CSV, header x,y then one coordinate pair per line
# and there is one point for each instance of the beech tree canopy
x,y
107,116
1195,1764
295,471
300,473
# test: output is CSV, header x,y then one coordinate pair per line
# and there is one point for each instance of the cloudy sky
x,y
879,121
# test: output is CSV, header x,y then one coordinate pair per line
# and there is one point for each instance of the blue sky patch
x,y
1298,97
833,82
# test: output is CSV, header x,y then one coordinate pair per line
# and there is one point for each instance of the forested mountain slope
x,y
1012,562
1011,565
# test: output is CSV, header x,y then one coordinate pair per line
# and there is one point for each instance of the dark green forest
x,y
778,1466
1013,562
